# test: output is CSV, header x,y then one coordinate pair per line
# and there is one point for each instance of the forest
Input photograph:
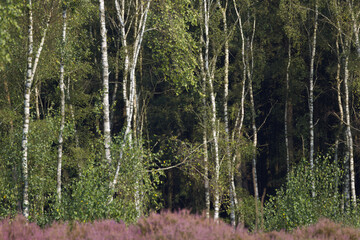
x,y
242,110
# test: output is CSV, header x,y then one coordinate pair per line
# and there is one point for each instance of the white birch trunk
x,y
338,87
120,10
355,27
31,69
116,86
130,66
349,140
209,75
24,143
245,73
62,104
226,118
105,76
311,98
250,68
205,143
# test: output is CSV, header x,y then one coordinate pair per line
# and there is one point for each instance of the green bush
x,y
293,204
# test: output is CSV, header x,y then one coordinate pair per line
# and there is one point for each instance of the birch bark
x,y
246,47
349,140
355,26
354,17
311,98
105,76
225,109
130,67
62,104
31,70
338,88
205,142
213,118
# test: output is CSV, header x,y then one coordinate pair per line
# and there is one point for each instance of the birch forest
x,y
245,111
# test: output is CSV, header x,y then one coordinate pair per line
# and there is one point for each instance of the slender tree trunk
x,y
116,86
253,119
213,120
105,66
349,140
37,96
355,27
287,103
247,74
254,151
338,87
120,10
130,66
62,111
205,143
31,69
311,99
226,118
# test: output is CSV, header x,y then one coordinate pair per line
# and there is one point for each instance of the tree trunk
x,y
210,76
205,144
116,86
225,109
338,87
247,74
311,99
287,108
349,140
130,66
355,27
105,66
62,104
37,96
31,69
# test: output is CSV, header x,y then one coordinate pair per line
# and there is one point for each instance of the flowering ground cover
x,y
180,225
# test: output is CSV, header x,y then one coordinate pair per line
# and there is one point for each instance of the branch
x,y
262,124
178,164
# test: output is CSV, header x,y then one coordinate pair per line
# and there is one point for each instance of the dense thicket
x,y
227,107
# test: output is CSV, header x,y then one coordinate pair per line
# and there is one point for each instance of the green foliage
x,y
9,168
88,197
172,45
293,204
10,10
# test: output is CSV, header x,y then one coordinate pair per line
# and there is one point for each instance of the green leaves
x,y
293,205
9,29
172,46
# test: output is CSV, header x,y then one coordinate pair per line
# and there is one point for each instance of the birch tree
x,y
225,109
62,103
286,110
131,60
349,140
209,71
311,94
248,62
205,138
31,70
105,76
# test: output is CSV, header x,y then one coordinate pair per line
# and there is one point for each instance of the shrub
x,y
293,205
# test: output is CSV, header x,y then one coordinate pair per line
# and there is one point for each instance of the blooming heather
x,y
181,225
